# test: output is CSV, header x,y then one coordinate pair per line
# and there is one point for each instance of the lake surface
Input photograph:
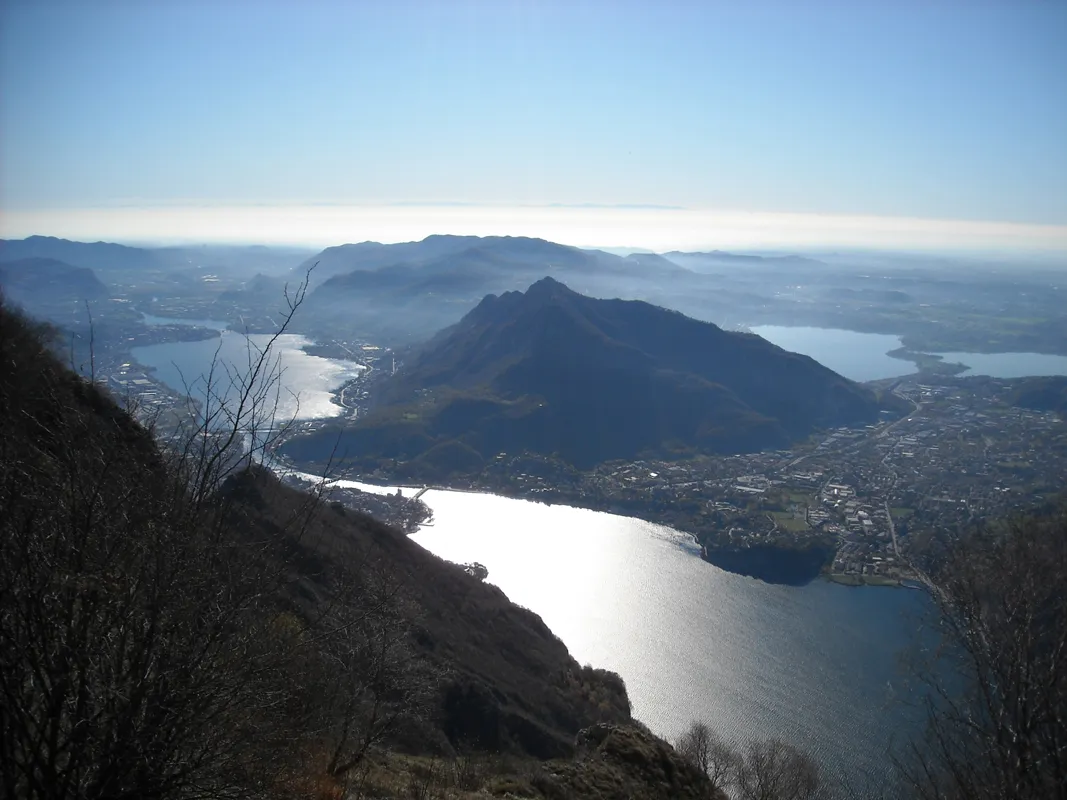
x,y
213,324
857,356
1009,365
301,384
862,356
816,665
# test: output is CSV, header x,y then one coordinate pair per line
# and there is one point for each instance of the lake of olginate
x,y
304,385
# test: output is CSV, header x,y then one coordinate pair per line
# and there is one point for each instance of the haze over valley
x,y
547,401
769,463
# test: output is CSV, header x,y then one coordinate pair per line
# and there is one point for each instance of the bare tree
x,y
774,770
136,642
147,645
997,696
234,422
703,748
375,677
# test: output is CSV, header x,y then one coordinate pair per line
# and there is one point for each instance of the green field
x,y
788,522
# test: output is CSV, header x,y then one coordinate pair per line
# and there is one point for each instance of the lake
x,y
213,324
303,385
815,665
1009,365
857,356
862,356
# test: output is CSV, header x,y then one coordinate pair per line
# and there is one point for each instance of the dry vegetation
x,y
174,623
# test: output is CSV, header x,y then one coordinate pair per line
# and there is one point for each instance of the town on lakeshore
x,y
859,504
867,499
533,400
862,503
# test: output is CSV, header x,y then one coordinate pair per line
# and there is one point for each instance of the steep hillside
x,y
196,630
506,682
554,372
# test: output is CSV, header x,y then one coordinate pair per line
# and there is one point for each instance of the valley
x,y
854,504
533,401
964,453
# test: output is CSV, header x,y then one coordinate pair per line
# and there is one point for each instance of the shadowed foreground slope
x,y
159,640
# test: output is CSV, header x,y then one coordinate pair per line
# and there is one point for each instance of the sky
x,y
650,124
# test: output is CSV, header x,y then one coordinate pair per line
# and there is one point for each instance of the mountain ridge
x,y
48,287
555,372
94,255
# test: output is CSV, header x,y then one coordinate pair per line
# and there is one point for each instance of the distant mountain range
x,y
105,257
435,253
399,294
94,255
402,293
420,287
717,260
551,371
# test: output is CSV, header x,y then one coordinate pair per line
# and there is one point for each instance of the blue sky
x,y
921,110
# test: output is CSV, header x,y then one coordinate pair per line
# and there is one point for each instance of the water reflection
x,y
815,665
304,382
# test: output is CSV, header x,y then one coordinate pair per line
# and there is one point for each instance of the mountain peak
x,y
548,287
590,380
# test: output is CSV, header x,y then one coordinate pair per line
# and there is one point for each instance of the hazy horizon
x,y
628,228
669,126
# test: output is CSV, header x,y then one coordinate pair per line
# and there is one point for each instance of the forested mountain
x,y
1048,393
555,372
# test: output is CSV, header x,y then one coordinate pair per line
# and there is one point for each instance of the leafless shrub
x,y
775,770
997,696
373,676
703,748
765,770
146,646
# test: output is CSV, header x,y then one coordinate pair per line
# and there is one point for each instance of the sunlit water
x,y
304,382
817,665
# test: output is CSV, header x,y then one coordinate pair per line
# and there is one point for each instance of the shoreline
x,y
850,580
841,579
927,363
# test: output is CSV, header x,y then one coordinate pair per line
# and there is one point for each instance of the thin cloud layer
x,y
649,228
